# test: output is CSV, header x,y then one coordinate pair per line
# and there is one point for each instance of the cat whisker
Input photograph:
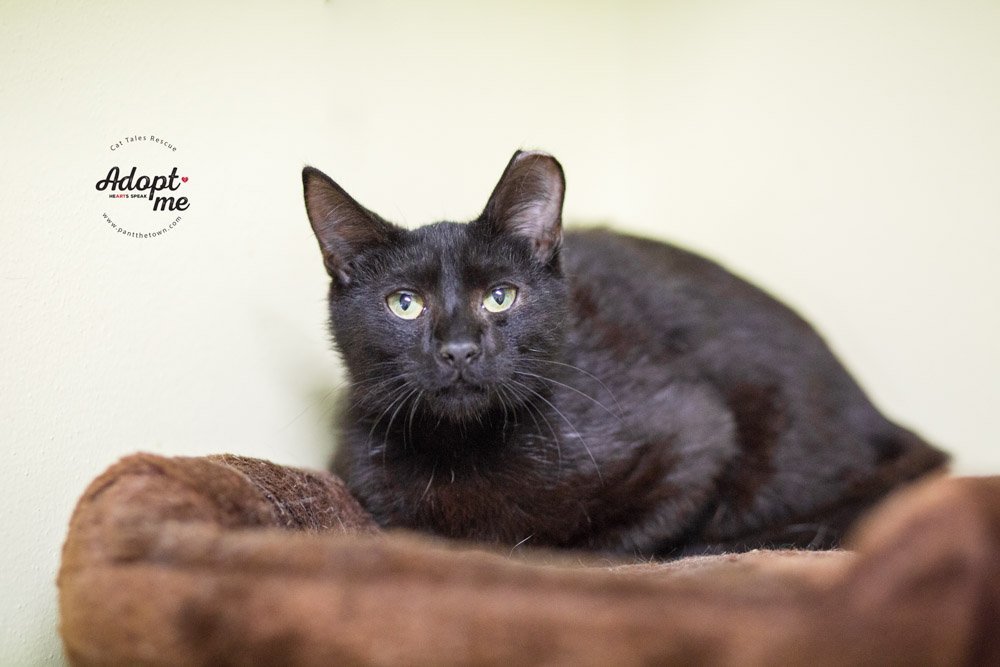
x,y
372,385
429,483
503,406
516,397
396,395
583,441
346,383
388,428
579,370
306,409
321,400
514,548
409,419
573,389
532,410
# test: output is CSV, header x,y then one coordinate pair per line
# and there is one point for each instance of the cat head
x,y
454,320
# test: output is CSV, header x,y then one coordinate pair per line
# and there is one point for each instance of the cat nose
x,y
459,353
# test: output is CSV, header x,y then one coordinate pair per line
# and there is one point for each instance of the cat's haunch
x,y
513,384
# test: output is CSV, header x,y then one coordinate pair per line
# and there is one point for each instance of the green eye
x,y
405,305
500,298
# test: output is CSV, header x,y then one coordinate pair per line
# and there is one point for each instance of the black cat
x,y
596,391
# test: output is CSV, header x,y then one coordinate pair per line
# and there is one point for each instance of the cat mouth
x,y
460,381
460,388
461,399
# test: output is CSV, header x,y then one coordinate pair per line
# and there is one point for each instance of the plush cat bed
x,y
227,560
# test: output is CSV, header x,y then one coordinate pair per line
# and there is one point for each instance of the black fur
x,y
635,399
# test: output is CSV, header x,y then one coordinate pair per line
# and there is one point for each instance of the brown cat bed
x,y
226,560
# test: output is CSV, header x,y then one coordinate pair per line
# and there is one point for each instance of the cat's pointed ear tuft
x,y
343,227
527,201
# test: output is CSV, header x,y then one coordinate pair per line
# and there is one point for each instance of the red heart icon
x,y
184,179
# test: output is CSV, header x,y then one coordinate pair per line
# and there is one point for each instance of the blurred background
x,y
843,155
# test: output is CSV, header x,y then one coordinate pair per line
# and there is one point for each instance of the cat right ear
x,y
528,201
343,227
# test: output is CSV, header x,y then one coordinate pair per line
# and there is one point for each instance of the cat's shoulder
x,y
588,248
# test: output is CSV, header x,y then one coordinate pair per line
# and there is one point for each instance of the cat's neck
x,y
417,436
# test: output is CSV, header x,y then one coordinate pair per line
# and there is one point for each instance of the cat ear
x,y
527,201
343,227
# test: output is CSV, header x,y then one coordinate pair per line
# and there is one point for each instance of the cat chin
x,y
460,404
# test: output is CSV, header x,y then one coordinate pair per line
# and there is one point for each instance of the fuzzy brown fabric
x,y
226,560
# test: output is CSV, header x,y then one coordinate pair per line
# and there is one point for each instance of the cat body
x,y
516,385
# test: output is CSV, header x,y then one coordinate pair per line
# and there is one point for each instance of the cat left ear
x,y
527,201
343,227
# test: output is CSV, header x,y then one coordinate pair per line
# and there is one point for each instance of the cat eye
x,y
500,298
405,304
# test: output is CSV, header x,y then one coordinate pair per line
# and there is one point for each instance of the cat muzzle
x,y
458,355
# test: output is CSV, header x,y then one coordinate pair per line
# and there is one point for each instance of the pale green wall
x,y
846,155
